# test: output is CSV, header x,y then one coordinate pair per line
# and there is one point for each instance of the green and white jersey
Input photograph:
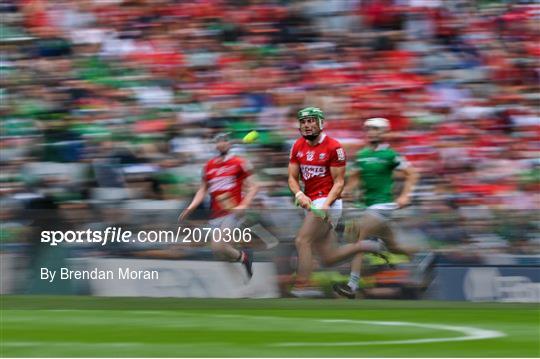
x,y
376,167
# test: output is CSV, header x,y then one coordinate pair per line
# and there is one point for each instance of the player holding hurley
x,y
225,178
375,166
320,161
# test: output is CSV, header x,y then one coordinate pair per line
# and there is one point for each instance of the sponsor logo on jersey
x,y
224,183
322,156
310,155
300,154
309,171
220,170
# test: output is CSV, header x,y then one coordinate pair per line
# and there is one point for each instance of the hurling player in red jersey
x,y
320,161
225,177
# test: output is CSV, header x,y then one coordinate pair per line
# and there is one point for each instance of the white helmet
x,y
378,122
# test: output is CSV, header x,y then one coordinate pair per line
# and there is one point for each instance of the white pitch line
x,y
471,333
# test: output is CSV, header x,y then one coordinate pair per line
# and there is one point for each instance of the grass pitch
x,y
38,326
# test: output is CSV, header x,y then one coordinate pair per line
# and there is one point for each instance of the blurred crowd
x,y
114,102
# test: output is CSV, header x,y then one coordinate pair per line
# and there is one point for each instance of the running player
x,y
225,177
320,161
375,167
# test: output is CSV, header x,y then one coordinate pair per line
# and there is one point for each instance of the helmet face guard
x,y
314,112
222,142
221,136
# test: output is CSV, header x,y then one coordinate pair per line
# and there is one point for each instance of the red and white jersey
x,y
225,178
315,162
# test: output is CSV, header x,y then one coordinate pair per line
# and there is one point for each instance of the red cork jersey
x,y
225,179
315,162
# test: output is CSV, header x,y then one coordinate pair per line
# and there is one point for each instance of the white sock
x,y
354,279
371,246
241,257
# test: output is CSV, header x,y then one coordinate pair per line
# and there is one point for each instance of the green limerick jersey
x,y
376,167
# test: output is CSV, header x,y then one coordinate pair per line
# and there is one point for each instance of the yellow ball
x,y
251,137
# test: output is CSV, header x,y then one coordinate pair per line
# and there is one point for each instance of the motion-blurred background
x,y
108,108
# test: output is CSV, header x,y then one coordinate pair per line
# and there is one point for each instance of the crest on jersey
x,y
310,155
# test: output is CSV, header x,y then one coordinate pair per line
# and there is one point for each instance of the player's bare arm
x,y
252,188
294,186
197,200
352,183
338,176
411,178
